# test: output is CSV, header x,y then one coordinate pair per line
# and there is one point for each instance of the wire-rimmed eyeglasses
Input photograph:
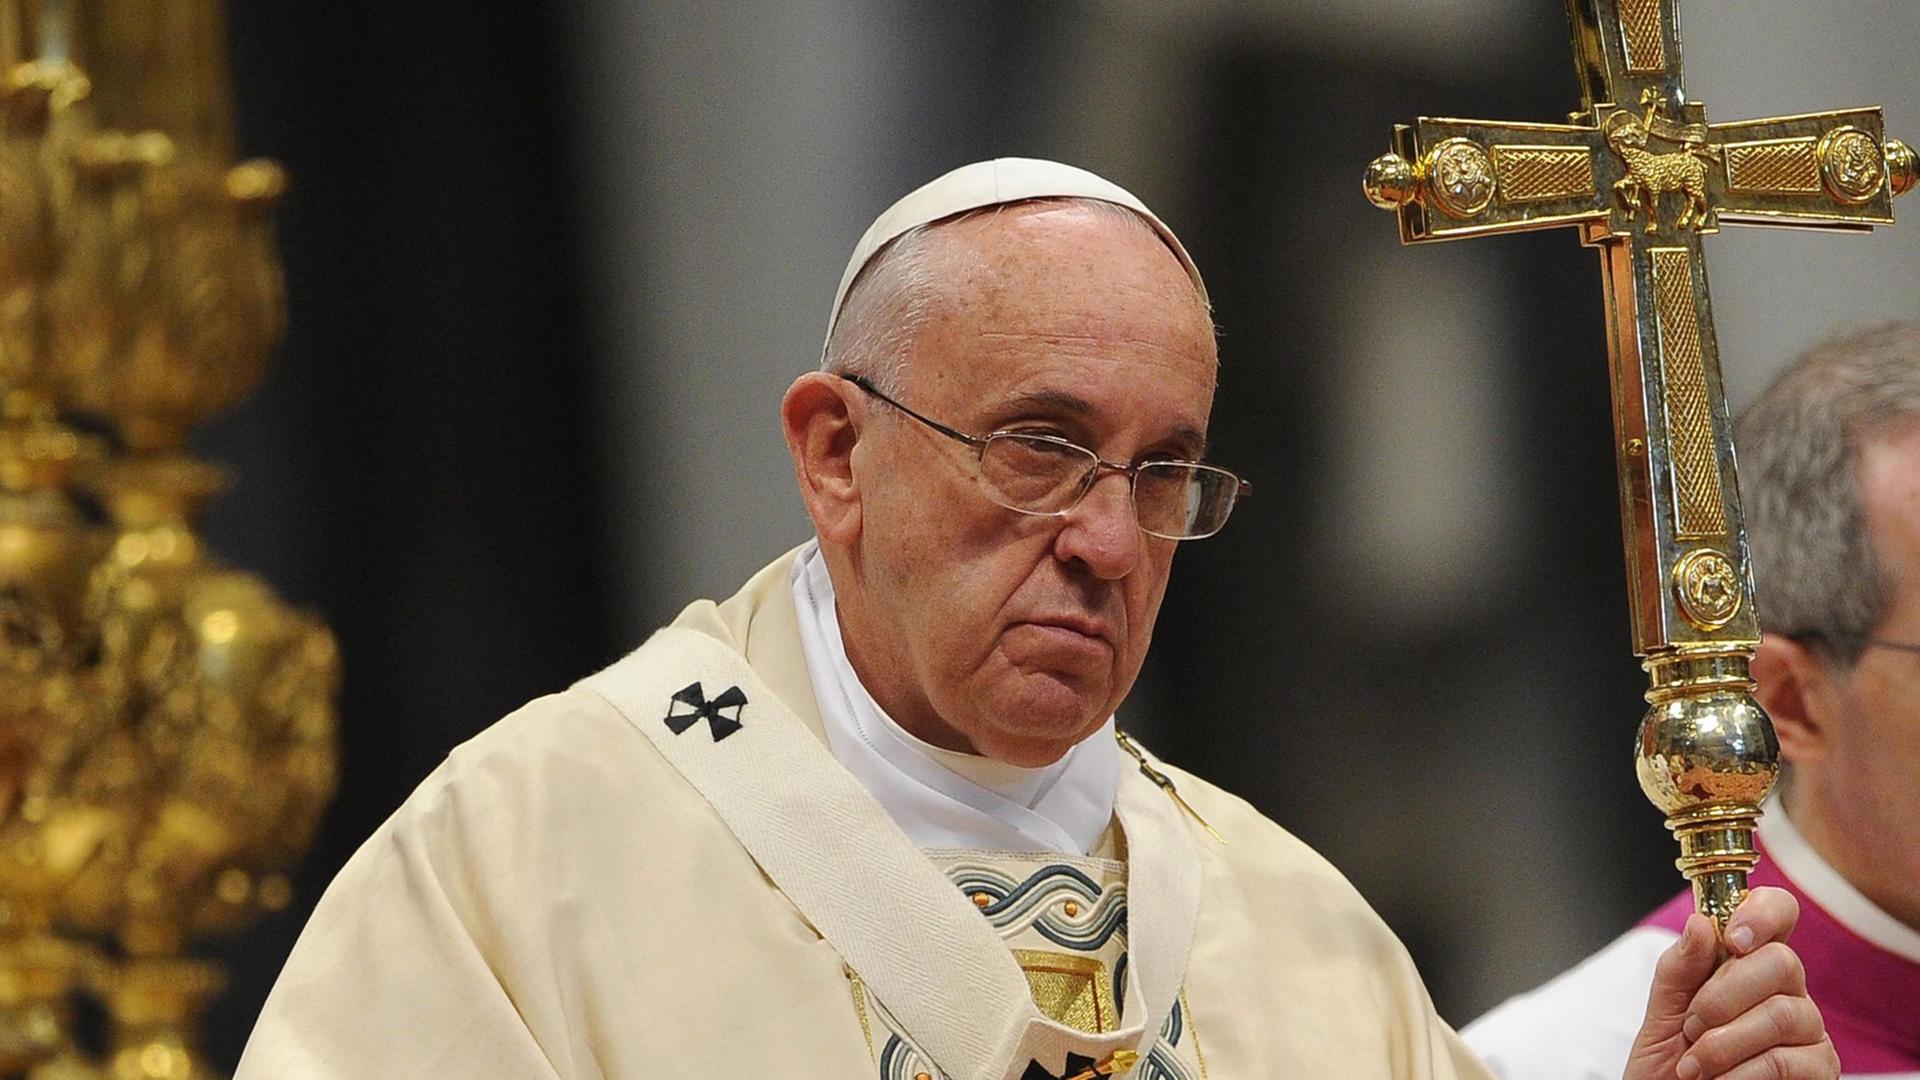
x,y
1863,641
1047,476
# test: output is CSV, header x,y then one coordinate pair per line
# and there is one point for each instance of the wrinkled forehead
x,y
1075,311
1076,265
985,184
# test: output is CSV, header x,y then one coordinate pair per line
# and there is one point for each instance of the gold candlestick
x,y
171,720
19,32
159,67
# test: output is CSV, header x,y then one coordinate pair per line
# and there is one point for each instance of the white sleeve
x,y
1580,1025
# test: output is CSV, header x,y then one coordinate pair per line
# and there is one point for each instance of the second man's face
x,y
1876,737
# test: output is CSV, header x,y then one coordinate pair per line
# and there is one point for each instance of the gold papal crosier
x,y
1642,174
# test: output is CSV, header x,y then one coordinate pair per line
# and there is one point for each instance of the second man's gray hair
x,y
1799,443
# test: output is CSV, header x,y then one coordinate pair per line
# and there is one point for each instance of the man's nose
x,y
1102,531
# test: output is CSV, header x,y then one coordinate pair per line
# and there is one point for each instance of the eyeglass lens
x,y
1037,475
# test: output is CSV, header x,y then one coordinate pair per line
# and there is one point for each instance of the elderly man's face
x,y
1875,719
978,627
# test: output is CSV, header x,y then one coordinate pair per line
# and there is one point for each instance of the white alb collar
x,y
940,798
1824,886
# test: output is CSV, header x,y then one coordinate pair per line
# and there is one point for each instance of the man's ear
x,y
1798,692
817,415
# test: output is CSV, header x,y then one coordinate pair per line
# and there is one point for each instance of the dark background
x,y
469,456
416,465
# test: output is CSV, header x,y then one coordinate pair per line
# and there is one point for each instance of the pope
x,y
871,815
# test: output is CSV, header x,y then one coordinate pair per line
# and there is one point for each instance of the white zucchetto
x,y
992,183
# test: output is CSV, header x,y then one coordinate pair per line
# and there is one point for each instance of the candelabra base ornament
x,y
1707,758
38,976
155,1005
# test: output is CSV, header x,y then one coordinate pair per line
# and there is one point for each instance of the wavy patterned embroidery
x,y
1163,1063
1072,911
1043,901
900,1060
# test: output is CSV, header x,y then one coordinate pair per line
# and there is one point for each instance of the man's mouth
x,y
1078,630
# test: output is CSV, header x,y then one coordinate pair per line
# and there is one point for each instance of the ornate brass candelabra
x,y
167,745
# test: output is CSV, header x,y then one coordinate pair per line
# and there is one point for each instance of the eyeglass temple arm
x,y
860,381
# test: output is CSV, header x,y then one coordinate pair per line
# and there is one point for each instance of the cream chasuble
x,y
663,872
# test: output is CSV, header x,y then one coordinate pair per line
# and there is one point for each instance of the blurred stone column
x,y
735,154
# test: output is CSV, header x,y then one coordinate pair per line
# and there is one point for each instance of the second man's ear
x,y
1797,689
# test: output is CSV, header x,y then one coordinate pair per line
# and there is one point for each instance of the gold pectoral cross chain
x,y
1163,782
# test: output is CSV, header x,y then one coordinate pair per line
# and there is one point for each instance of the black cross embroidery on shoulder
x,y
695,699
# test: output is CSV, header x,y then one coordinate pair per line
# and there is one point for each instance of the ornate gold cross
x,y
1643,175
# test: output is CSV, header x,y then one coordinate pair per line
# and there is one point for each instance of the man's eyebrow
x,y
1190,440
1058,400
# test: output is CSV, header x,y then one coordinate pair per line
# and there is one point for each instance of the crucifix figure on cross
x,y
1642,174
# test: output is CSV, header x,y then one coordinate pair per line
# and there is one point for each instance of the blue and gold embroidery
x,y
1163,1063
1059,902
1070,989
1064,906
899,1061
